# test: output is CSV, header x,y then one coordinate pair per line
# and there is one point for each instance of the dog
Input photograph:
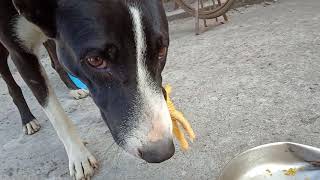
x,y
118,48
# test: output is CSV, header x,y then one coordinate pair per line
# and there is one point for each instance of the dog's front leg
x,y
81,161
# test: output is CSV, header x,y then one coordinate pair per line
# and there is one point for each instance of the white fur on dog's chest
x,y
28,34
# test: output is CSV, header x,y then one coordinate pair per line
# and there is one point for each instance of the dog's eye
x,y
97,62
162,52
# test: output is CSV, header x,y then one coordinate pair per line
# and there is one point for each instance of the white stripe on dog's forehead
x,y
144,81
140,43
151,107
138,33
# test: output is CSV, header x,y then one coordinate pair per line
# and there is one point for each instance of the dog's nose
x,y
158,151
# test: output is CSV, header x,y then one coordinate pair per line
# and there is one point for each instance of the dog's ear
x,y
40,13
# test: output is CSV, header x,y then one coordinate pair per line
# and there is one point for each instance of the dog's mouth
x,y
148,140
152,152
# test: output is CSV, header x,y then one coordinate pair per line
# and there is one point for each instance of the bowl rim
x,y
261,147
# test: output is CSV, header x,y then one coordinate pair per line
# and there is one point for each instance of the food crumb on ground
x,y
269,172
291,172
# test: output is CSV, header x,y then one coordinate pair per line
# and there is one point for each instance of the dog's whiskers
x,y
114,157
119,154
108,149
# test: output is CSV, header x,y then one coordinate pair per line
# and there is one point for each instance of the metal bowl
x,y
276,161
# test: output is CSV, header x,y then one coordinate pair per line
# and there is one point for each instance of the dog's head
x,y
119,49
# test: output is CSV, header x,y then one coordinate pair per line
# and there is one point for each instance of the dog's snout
x,y
156,152
159,130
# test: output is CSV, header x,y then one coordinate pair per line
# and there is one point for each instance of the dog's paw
x,y
31,127
82,164
79,93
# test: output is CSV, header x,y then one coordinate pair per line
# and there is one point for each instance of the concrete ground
x,y
252,81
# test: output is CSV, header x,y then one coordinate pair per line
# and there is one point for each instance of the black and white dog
x,y
118,48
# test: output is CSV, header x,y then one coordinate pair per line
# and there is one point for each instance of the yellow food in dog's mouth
x,y
178,120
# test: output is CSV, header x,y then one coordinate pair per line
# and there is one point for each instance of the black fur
x,y
51,48
89,28
14,89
